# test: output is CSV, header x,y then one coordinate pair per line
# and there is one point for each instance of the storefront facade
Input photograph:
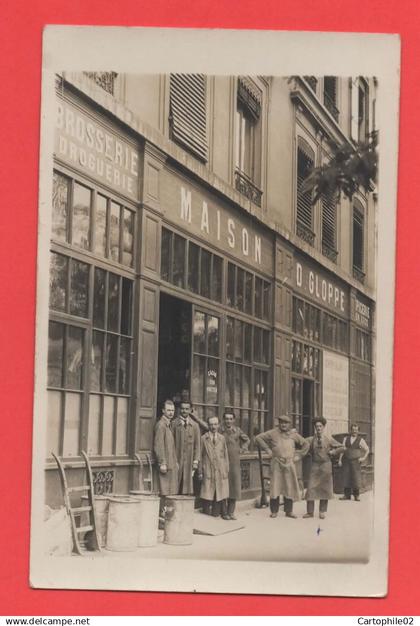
x,y
162,287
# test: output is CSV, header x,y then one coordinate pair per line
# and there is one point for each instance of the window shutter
x,y
304,209
329,220
358,238
330,95
188,115
354,108
330,88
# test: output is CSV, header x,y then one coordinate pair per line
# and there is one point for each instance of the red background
x,y
20,62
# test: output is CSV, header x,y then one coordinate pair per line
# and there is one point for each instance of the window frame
x,y
359,221
76,254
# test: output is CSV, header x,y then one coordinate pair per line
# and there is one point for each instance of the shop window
x,y
358,242
91,221
329,227
81,216
206,364
306,320
362,345
331,95
69,285
248,140
305,399
188,113
191,267
309,321
304,207
246,392
89,368
248,293
66,362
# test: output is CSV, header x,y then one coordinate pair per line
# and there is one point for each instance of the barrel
x,y
147,519
179,513
122,524
101,516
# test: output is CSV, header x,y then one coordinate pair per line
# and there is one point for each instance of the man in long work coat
x,y
188,447
320,487
214,470
236,441
164,448
355,452
283,446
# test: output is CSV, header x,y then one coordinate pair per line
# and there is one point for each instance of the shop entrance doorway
x,y
174,358
307,407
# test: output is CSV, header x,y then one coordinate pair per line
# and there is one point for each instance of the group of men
x,y
287,447
199,458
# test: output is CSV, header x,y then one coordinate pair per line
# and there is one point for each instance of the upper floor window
x,y
304,207
363,125
330,95
358,242
188,266
312,82
248,139
329,226
188,113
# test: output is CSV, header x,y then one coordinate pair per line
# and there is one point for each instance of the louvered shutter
x,y
358,238
188,116
329,220
304,209
330,88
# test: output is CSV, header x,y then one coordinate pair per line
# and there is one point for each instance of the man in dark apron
x,y
321,448
355,452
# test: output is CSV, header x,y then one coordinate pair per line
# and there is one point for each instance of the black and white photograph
x,y
215,311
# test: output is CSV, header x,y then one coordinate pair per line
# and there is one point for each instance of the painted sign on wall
x,y
319,286
335,391
92,147
225,227
361,312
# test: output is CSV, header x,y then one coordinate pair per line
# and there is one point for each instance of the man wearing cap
x,y
322,448
283,444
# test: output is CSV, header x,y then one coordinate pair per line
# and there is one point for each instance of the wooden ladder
x,y
90,530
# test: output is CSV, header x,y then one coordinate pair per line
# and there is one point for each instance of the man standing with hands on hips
x,y
282,444
355,452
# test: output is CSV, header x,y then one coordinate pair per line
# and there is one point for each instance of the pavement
x,y
342,536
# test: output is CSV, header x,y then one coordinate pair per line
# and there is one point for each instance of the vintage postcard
x,y
215,311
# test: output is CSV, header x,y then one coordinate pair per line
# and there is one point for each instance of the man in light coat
x,y
188,447
164,448
236,441
282,445
214,470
